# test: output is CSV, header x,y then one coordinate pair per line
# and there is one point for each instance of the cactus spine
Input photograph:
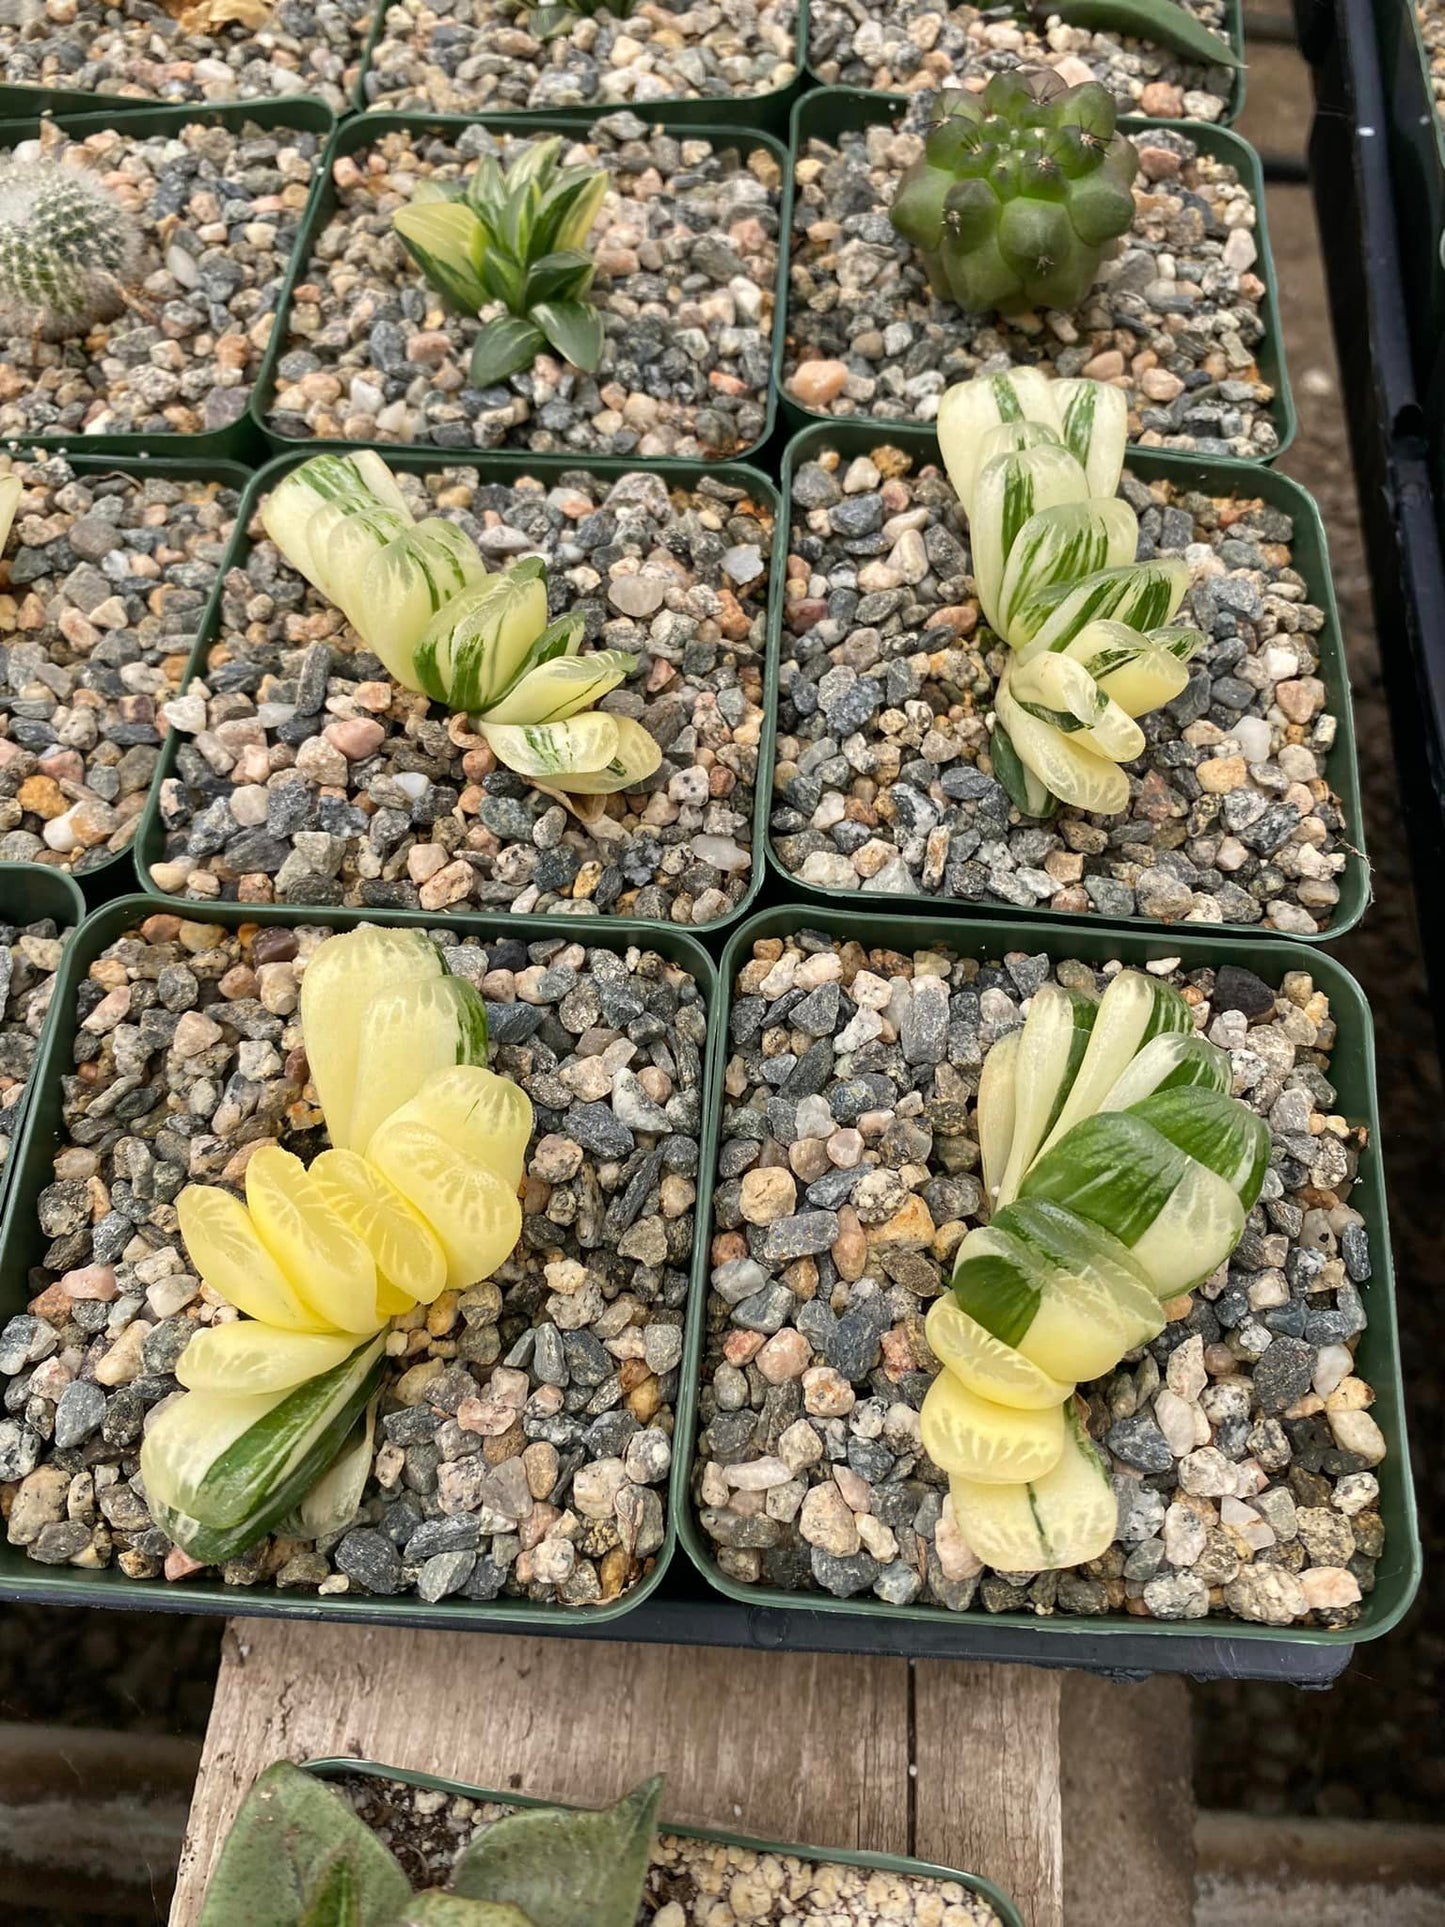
x,y
66,245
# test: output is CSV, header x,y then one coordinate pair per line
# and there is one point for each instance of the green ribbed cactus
x,y
66,245
1018,192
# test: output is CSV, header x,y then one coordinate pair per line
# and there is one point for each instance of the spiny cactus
x,y
1017,193
66,245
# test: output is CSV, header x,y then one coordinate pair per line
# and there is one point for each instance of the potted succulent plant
x,y
126,318
399,1308
1125,703
484,727
654,255
965,233
494,1861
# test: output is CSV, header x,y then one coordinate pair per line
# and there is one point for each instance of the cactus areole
x,y
1018,192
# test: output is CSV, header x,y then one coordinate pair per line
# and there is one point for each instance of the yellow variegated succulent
x,y
419,596
1036,464
417,1194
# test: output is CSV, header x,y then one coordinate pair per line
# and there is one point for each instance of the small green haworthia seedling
x,y
1119,1172
547,21
1036,465
419,596
515,236
297,1856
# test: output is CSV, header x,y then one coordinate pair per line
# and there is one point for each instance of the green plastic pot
x,y
1416,138
239,441
366,128
149,845
102,880
887,1863
28,892
1352,1070
1211,476
23,1245
831,111
1234,30
768,111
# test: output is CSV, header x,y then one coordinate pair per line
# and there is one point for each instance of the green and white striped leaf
x,y
1053,1041
335,1499
1140,673
1072,771
998,1109
1216,1131
1176,1061
405,584
1066,1518
1179,1218
1056,689
1028,793
1010,491
473,648
1133,1010
447,242
975,1438
407,1033
635,757
1074,1319
220,1471
1144,595
1096,428
970,408
328,524
558,752
1057,548
1012,438
560,688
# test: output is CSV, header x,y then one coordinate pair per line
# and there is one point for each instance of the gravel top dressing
x,y
919,45
468,56
29,958
686,247
691,1883
524,1438
108,576
1240,1440
882,783
150,52
307,776
218,209
1175,317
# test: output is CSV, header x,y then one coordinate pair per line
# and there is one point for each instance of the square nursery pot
x,y
1309,557
1116,63
23,1244
237,438
883,1863
767,109
1416,136
113,871
150,842
1139,1645
283,430
349,32
30,893
832,111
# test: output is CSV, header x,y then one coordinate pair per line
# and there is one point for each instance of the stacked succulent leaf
x,y
297,1856
1017,192
417,1195
1036,463
1119,1172
514,236
419,596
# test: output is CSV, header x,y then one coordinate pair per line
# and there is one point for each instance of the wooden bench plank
x,y
801,1747
986,1747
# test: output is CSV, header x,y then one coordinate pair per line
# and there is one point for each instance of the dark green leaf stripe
x,y
1000,1293
1115,1170
1218,1131
1018,503
1079,423
1085,1009
1059,719
1005,400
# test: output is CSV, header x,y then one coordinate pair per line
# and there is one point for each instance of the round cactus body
x,y
65,244
1018,191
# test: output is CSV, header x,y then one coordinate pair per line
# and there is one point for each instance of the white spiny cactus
x,y
66,245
